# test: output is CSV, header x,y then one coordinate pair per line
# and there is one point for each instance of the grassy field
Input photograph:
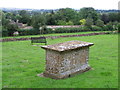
x,y
56,34
22,62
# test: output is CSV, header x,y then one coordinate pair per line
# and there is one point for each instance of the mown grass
x,y
55,34
22,62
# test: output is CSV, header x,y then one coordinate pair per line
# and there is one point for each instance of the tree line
x,y
64,16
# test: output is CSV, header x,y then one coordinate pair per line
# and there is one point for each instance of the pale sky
x,y
56,4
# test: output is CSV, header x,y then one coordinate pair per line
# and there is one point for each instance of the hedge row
x,y
80,29
23,32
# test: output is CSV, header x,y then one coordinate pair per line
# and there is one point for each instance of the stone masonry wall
x,y
63,64
52,37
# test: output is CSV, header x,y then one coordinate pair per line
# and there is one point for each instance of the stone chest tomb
x,y
66,59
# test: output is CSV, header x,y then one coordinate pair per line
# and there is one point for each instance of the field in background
x,y
22,62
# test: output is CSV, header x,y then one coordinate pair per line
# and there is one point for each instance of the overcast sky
x,y
56,4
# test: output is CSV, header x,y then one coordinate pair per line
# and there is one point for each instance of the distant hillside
x,y
49,10
16,9
107,11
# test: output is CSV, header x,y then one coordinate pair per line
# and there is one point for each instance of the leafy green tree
x,y
6,26
113,17
89,12
38,21
110,17
11,29
105,18
22,12
67,14
51,18
5,21
18,17
99,23
110,26
12,16
69,23
118,17
61,22
89,22
24,17
9,15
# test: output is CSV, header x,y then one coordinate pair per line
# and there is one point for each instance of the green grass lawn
x,y
22,62
56,34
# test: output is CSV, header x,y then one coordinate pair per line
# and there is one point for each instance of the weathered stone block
x,y
66,59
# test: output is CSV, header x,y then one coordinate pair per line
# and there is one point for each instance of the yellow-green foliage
x,y
82,21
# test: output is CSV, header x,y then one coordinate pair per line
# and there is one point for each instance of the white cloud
x,y
51,4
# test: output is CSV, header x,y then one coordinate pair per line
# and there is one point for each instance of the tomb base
x,y
67,74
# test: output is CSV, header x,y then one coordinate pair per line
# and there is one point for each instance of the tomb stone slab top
x,y
67,45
